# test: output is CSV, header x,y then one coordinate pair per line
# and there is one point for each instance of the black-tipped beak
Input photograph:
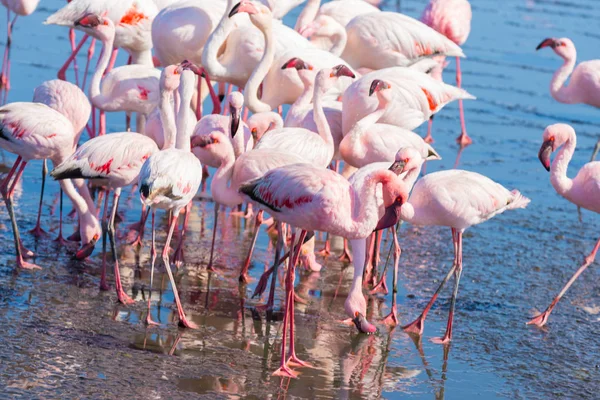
x,y
235,120
297,63
87,249
235,9
363,325
378,85
193,67
88,21
390,218
546,43
342,70
397,167
202,141
545,152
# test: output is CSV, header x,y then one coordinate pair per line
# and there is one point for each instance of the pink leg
x,y
392,318
541,319
73,47
416,327
346,255
90,54
62,72
464,140
213,95
17,172
325,251
103,285
149,320
429,138
244,278
210,266
368,271
262,283
5,75
178,258
60,240
183,321
140,226
121,295
37,230
448,335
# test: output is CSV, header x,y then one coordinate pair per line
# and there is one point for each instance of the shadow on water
x,y
63,338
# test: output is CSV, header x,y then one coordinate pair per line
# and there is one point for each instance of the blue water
x,y
62,338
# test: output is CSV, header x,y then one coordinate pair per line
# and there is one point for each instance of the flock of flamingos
x,y
344,160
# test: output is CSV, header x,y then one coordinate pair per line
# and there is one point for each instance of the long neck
x,y
359,247
224,194
339,39
365,209
296,110
87,217
308,14
143,57
95,96
259,73
167,118
186,91
558,170
320,119
216,39
352,143
558,89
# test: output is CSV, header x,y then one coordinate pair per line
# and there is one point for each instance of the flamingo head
x,y
407,158
382,90
305,71
356,309
260,15
261,123
215,144
554,136
564,47
327,77
395,193
97,26
170,77
190,66
90,232
236,102
322,26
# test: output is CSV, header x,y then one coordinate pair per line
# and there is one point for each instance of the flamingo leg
x,y
325,251
596,150
141,226
37,230
103,284
183,321
178,258
368,271
244,278
7,194
381,287
213,95
5,74
262,281
210,266
429,138
541,319
457,273
464,140
149,320
75,66
60,238
62,72
90,54
417,326
346,255
121,295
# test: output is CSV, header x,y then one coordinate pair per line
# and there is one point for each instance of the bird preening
x,y
307,130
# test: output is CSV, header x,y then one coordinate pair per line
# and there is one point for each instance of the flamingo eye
x,y
399,200
551,138
356,313
105,22
254,130
406,160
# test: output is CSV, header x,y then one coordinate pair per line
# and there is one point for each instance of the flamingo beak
x,y
87,249
397,167
243,6
545,152
188,65
363,325
202,141
297,63
378,85
546,43
235,120
89,20
342,70
390,217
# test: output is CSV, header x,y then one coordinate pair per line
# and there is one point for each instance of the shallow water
x,y
62,338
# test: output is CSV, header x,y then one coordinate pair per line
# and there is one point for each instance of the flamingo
x,y
19,7
312,198
418,97
261,123
70,101
584,84
457,199
268,75
583,190
341,11
34,131
130,88
169,179
451,18
369,141
117,158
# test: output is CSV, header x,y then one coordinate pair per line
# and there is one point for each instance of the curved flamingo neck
x,y
308,14
210,60
321,120
96,97
186,92
221,191
296,111
87,217
365,209
558,171
260,72
559,91
352,144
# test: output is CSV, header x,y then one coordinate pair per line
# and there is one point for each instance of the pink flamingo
x,y
116,158
261,123
451,18
341,11
35,131
458,199
169,179
418,95
312,198
268,78
70,101
583,190
19,7
369,141
584,84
